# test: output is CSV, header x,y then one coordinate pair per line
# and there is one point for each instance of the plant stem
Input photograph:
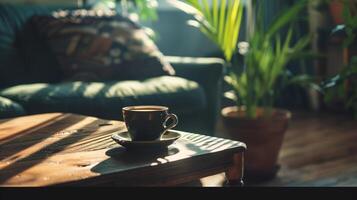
x,y
251,111
251,103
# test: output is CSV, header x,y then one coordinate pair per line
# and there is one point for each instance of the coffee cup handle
x,y
173,124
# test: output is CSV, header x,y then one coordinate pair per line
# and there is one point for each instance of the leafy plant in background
x,y
266,53
349,17
343,86
221,22
266,58
136,10
143,10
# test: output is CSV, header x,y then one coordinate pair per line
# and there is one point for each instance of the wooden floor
x,y
318,150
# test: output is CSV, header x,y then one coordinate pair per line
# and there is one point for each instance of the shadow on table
x,y
22,160
121,159
136,168
133,167
125,155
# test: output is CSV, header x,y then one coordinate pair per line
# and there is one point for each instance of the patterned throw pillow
x,y
92,46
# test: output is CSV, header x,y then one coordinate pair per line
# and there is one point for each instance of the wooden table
x,y
67,149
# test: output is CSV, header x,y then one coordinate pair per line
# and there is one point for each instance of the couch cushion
x,y
9,108
93,45
106,99
24,58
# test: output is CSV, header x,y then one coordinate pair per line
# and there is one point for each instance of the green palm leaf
x,y
268,53
221,22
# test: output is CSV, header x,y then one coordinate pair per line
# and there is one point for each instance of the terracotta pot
x,y
263,136
336,9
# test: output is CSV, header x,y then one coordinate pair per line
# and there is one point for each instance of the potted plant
x,y
255,85
340,90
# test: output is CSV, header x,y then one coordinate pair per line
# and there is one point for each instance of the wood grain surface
x,y
68,149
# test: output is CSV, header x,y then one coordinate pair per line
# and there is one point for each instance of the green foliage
x,y
266,60
144,9
350,24
343,86
221,23
266,53
136,10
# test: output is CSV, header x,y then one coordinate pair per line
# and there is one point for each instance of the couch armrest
x,y
195,68
208,72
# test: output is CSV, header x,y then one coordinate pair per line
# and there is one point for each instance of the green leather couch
x,y
30,81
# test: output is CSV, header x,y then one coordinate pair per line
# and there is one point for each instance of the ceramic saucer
x,y
123,138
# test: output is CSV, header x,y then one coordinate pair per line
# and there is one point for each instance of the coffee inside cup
x,y
146,123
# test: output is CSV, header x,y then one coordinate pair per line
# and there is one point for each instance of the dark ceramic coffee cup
x,y
145,123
